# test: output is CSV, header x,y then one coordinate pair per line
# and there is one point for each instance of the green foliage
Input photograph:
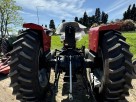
x,y
81,20
91,20
98,18
130,13
85,19
46,26
97,15
104,17
9,15
76,19
52,25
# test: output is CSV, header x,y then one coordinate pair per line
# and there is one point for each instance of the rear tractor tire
x,y
114,68
134,63
29,75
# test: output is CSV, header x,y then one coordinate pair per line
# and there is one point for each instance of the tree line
x,y
99,17
130,13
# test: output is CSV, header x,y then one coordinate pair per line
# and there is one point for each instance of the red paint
x,y
4,68
94,35
93,38
46,38
46,41
33,26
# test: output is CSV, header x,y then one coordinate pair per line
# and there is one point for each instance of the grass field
x,y
131,40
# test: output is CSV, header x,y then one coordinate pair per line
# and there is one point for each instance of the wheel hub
x,y
43,77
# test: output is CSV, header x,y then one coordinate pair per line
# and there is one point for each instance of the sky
x,y
69,9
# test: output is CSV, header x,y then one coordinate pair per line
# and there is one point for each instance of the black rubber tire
x,y
5,46
24,68
117,68
134,63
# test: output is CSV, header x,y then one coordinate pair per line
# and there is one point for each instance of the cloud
x,y
26,13
60,8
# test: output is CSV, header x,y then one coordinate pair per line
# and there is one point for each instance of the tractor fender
x,y
45,37
94,34
33,26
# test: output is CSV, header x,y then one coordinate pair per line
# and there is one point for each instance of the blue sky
x,y
68,9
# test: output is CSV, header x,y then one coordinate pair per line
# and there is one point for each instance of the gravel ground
x,y
62,95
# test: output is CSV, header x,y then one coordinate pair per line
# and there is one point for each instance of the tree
x,y
104,17
76,19
91,21
133,13
63,20
85,19
125,15
130,13
45,25
97,15
81,20
52,25
9,16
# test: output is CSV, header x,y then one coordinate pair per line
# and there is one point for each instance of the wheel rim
x,y
43,77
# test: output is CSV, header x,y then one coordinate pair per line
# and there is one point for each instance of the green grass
x,y
130,39
56,43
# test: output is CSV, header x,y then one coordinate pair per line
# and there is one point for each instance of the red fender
x,y
94,35
33,26
46,38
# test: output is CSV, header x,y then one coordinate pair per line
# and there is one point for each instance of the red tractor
x,y
105,67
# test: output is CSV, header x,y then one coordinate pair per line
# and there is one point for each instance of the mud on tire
x,y
116,68
26,65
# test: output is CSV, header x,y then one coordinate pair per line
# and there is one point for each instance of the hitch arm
x,y
70,74
88,86
57,75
